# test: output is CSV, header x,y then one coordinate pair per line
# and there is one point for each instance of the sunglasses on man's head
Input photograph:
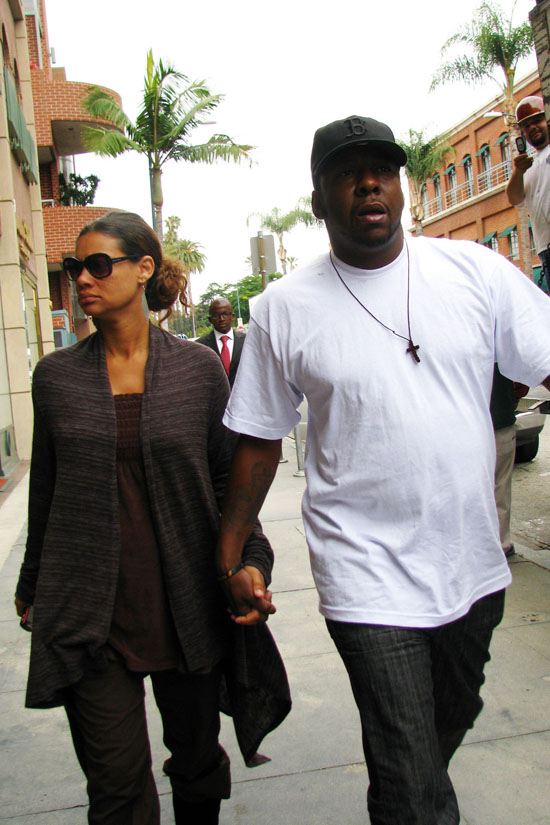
x,y
99,265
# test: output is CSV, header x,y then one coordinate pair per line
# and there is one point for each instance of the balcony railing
x,y
460,194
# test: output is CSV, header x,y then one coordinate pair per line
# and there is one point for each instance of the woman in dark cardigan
x,y
129,464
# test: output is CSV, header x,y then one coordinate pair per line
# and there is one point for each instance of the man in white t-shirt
x,y
530,180
399,508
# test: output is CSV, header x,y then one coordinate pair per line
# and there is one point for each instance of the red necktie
x,y
226,358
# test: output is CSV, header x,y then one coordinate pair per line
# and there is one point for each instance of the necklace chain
x,y
412,348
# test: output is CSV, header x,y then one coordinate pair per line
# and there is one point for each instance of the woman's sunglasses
x,y
99,265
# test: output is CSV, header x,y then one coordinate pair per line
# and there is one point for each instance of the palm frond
x,y
108,142
219,147
492,43
102,105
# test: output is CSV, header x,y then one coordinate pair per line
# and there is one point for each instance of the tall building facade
x,y
466,197
60,117
25,318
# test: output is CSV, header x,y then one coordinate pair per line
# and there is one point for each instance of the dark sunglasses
x,y
99,265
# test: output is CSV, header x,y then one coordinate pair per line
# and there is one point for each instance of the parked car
x,y
530,417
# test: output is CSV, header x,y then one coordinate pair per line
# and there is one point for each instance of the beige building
x,y
25,319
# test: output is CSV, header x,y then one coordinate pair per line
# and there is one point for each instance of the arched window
x,y
485,178
468,175
424,198
450,173
437,191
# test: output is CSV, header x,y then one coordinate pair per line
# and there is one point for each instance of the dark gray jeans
x,y
417,691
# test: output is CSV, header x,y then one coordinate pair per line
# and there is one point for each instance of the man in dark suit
x,y
223,339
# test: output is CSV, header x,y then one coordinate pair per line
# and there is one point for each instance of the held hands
x,y
249,601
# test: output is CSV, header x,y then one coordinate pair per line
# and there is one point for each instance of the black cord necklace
x,y
412,348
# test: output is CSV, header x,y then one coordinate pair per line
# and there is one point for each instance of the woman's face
x,y
122,290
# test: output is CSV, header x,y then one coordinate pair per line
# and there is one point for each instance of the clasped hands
x,y
249,600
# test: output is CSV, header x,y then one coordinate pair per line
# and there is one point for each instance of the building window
x,y
450,172
469,176
505,151
424,198
485,181
491,241
437,189
511,233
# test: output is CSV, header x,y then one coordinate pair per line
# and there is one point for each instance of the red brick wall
x,y
59,100
492,213
46,188
62,225
55,289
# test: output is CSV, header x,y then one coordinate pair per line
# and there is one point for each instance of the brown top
x,y
142,629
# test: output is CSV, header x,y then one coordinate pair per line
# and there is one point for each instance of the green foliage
x,y
280,222
248,287
424,156
492,42
77,191
188,252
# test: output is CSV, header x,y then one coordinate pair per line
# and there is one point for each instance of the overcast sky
x,y
284,70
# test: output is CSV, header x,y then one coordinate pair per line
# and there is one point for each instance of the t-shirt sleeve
x,y
264,402
522,327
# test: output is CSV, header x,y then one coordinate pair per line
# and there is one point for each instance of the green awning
x,y
507,231
483,148
465,160
488,237
450,168
501,138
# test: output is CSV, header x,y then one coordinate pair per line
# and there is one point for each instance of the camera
x,y
521,146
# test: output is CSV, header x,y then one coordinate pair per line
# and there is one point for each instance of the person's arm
x,y
515,191
254,466
41,486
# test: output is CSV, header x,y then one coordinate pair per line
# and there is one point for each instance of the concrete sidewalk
x,y
317,775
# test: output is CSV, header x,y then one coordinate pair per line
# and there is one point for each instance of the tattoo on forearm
x,y
244,502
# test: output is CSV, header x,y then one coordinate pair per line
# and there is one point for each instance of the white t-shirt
x,y
399,507
536,184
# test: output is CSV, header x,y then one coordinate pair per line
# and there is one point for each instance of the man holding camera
x,y
530,179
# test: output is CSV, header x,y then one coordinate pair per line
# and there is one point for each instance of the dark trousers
x,y
545,261
417,691
106,712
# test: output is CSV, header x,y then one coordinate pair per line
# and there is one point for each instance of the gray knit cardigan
x,y
70,568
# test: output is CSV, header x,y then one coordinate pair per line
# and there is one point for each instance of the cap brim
x,y
393,150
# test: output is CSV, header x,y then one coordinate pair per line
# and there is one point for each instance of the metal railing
x,y
460,194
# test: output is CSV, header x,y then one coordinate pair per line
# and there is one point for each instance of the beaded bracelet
x,y
238,567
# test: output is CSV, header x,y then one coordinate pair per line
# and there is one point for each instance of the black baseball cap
x,y
351,131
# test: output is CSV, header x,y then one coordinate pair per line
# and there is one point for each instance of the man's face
x,y
359,197
221,316
536,131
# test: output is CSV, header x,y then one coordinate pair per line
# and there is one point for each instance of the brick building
x,y
25,318
60,117
466,198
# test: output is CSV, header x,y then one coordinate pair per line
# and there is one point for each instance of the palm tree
x,y
189,253
280,222
494,46
423,158
171,108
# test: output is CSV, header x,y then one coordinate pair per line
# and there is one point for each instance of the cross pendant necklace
x,y
412,348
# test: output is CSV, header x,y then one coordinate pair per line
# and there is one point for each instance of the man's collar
x,y
219,334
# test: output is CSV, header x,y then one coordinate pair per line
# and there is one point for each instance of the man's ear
x,y
317,205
